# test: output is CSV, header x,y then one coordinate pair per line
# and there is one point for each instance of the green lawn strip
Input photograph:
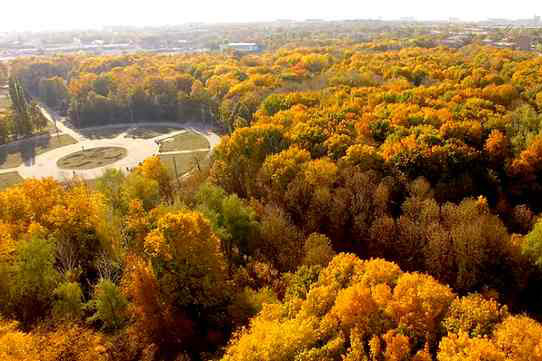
x,y
148,132
185,161
184,141
92,158
12,156
103,133
9,179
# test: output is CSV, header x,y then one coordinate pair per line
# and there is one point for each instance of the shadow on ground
x,y
25,151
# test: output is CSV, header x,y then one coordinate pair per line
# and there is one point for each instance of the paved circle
x,y
92,158
45,165
137,150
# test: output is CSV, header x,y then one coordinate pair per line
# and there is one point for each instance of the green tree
x,y
53,91
4,130
318,250
233,221
532,247
38,120
137,186
68,302
109,305
34,279
20,107
110,185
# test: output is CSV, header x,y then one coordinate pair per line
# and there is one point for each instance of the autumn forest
x,y
369,201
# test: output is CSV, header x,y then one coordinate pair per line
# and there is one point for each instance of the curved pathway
x,y
45,165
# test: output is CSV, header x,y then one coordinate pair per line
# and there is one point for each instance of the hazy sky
x,y
63,14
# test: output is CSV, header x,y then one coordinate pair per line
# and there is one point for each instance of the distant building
x,y
456,41
241,47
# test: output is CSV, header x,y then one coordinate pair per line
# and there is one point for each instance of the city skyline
x,y
66,15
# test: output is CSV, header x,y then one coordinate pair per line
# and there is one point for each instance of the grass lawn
x,y
105,133
12,156
185,162
184,141
148,132
92,158
9,179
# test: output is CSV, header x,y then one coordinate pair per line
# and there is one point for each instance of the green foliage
x,y
249,303
109,305
532,246
281,242
110,185
138,187
25,115
233,221
299,283
318,250
34,279
4,130
54,92
68,304
274,104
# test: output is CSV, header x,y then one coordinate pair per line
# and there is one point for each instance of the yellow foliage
x,y
462,348
152,168
14,344
271,340
497,145
185,243
70,340
520,338
397,346
474,315
371,304
7,243
181,235
353,307
420,303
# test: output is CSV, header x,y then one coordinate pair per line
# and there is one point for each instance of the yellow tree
x,y
182,279
152,168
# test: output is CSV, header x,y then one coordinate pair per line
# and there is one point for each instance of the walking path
x,y
9,170
138,149
185,151
62,128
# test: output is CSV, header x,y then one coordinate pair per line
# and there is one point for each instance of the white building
x,y
242,47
